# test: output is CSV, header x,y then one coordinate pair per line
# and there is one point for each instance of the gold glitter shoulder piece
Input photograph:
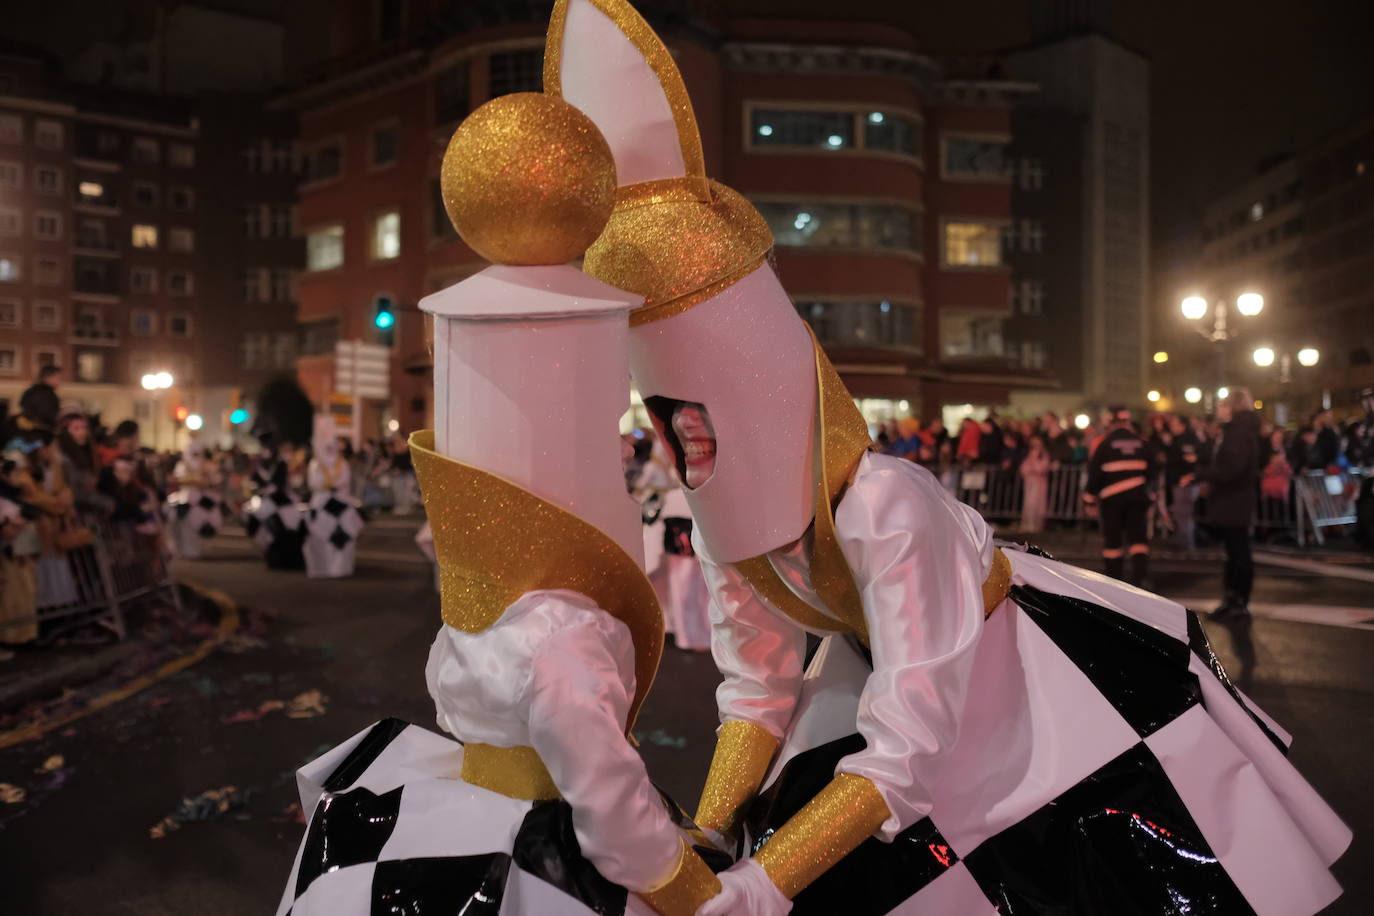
x,y
494,541
659,59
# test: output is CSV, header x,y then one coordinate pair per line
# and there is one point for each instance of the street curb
x,y
228,623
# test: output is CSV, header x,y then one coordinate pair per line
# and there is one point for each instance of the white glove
x,y
746,890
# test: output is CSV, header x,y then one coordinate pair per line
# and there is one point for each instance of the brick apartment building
x,y
883,172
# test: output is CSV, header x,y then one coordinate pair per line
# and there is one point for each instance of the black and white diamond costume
x,y
983,731
274,515
333,519
195,509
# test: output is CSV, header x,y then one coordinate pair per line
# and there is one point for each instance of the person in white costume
x,y
668,553
551,632
333,521
195,510
982,730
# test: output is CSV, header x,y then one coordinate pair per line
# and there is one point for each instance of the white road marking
x,y
1331,615
1334,570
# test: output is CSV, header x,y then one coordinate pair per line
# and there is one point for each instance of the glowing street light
x,y
1309,356
1223,392
156,381
1082,420
1152,396
1250,304
1192,395
1263,356
194,422
1194,307
1161,356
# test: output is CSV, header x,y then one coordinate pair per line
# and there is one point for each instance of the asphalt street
x,y
92,835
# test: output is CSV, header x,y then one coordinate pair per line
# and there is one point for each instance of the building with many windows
x,y
883,172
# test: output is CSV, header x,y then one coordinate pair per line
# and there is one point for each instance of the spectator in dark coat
x,y
1232,480
39,404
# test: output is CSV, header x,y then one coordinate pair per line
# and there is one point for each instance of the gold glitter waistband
x,y
515,772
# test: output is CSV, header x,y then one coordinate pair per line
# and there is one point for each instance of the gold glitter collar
x,y
494,541
656,55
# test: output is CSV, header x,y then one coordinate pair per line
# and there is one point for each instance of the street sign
x,y
362,369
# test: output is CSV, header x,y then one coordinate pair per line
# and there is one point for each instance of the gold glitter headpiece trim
x,y
494,541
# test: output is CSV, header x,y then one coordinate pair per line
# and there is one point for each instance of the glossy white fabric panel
x,y
954,893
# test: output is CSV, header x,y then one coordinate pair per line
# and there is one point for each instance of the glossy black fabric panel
x,y
1202,648
443,886
876,876
207,503
1141,671
363,756
340,538
346,829
182,510
1120,842
207,530
335,506
547,847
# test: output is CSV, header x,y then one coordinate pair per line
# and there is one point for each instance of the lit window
x,y
11,268
91,190
1257,211
9,313
143,323
815,224
90,367
46,316
386,235
143,235
47,134
324,247
970,244
179,238
975,158
181,155
970,333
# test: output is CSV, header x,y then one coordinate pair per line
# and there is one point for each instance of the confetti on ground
x,y
210,805
157,702
306,705
55,762
238,643
291,814
257,677
662,739
11,794
253,715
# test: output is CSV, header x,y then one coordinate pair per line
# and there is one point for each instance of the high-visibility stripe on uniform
x,y
1125,465
1121,486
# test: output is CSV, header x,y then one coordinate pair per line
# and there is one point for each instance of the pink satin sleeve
x,y
579,694
919,558
758,651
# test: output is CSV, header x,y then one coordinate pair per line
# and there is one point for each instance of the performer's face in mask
x,y
686,429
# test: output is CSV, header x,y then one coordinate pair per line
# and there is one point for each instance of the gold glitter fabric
x,y
743,752
845,813
690,886
658,57
671,251
528,179
515,772
494,541
997,585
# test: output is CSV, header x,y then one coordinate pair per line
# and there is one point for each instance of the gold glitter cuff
x,y
691,885
997,585
515,772
743,752
845,813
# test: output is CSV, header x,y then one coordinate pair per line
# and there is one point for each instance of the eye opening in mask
x,y
661,412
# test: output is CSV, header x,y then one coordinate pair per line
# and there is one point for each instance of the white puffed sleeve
x,y
580,687
759,651
920,559
314,476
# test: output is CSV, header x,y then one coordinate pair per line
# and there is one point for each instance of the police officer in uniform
x,y
1118,488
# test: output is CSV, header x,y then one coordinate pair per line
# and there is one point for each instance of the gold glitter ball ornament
x,y
528,179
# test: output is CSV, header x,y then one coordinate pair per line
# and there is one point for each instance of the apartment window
x,y
452,94
143,235
386,235
10,311
283,219
1031,299
47,179
142,323
107,143
385,142
256,350
44,358
1033,354
90,367
515,71
816,224
326,161
181,155
181,199
47,272
252,158
253,284
179,238
11,175
90,192
972,244
822,129
146,151
180,283
1031,175
283,282
970,333
1032,236
47,134
179,325
11,221
252,221
91,234
9,359
974,158
864,323
11,128
47,225
284,350
47,316
324,247
145,194
441,226
11,268
281,156
142,280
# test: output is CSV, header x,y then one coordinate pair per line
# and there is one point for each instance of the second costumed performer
x,y
982,731
551,633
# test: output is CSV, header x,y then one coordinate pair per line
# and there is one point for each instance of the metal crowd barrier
x,y
1327,500
120,567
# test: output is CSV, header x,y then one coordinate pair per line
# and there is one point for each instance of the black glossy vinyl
x,y
441,886
547,847
1202,648
349,828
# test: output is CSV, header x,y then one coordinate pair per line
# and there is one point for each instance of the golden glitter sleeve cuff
x,y
845,813
743,752
691,884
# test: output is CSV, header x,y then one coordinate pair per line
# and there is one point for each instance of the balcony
x,y
96,247
877,325
95,334
95,282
